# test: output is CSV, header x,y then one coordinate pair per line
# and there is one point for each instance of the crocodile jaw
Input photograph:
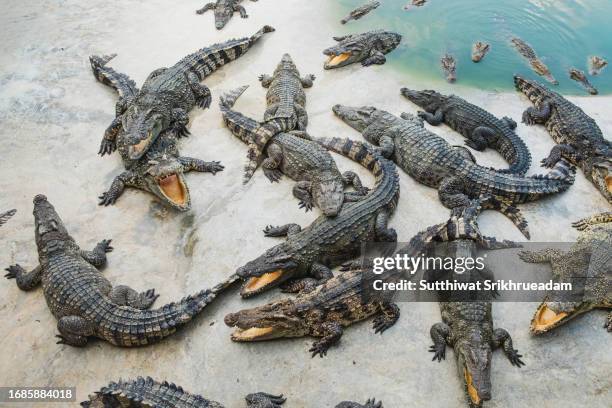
x,y
138,150
337,61
546,319
253,334
257,284
471,390
173,190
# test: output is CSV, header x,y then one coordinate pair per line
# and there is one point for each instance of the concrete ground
x,y
53,114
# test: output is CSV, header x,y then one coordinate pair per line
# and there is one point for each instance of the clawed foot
x,y
527,119
13,271
307,204
62,339
107,147
381,324
274,175
107,198
215,167
439,352
148,297
205,102
515,358
271,231
319,348
181,130
548,162
105,245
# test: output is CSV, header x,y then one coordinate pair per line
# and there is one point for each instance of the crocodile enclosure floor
x,y
54,113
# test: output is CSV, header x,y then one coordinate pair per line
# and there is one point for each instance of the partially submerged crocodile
x,y
166,97
319,182
415,3
360,11
577,135
536,63
224,10
85,303
367,48
587,265
479,50
580,77
481,128
467,322
4,217
432,161
596,65
328,242
449,67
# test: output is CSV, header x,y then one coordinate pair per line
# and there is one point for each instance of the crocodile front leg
x,y
266,80
386,146
376,58
480,138
272,163
452,193
265,400
25,280
238,8
389,315
302,191
207,7
321,272
502,338
191,164
534,115
434,119
109,140
282,231
114,192
543,256
331,333
97,257
383,233
125,296
439,333
308,80
559,151
350,178
201,92
74,331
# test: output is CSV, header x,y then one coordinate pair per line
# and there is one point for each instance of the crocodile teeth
x,y
256,283
546,318
172,187
254,333
337,59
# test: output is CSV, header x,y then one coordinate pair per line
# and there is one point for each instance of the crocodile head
x,y
474,367
328,193
166,180
222,16
601,172
428,100
269,270
551,315
368,120
50,232
143,125
271,321
286,64
356,48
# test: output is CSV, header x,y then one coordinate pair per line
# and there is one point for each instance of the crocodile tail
x,y
563,171
513,213
121,83
4,217
362,153
207,60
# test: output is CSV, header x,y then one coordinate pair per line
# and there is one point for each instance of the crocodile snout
x,y
39,198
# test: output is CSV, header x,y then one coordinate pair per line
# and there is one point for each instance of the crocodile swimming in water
x,y
85,303
587,265
360,11
224,10
166,97
366,48
449,66
319,182
596,65
536,63
432,161
579,139
479,50
580,77
328,242
481,128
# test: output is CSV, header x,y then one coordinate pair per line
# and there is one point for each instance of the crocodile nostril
x,y
39,198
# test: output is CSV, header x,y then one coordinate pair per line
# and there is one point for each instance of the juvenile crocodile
x,y
432,161
481,128
479,50
224,10
319,182
449,66
328,242
84,302
587,265
161,172
577,135
5,216
580,77
148,393
360,11
467,323
536,63
596,65
367,48
166,97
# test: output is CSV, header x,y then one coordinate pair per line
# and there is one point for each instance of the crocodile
x,y
580,77
295,154
367,48
224,10
161,172
166,97
449,67
5,216
596,65
479,50
415,3
85,303
467,320
328,242
577,135
432,161
536,63
481,128
587,265
149,393
360,11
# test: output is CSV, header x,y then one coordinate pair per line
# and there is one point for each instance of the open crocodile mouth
x,y
173,188
252,334
256,284
136,151
609,183
546,318
471,390
335,60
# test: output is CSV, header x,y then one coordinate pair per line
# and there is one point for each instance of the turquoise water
x,y
563,33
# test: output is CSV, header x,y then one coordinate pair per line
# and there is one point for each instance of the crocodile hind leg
x,y
389,315
439,333
109,197
308,80
543,256
25,280
331,333
74,331
452,193
201,92
208,6
241,10
125,296
383,232
302,190
480,138
465,153
534,115
584,223
558,152
376,58
434,119
272,163
97,257
191,164
282,231
351,178
266,80
502,339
